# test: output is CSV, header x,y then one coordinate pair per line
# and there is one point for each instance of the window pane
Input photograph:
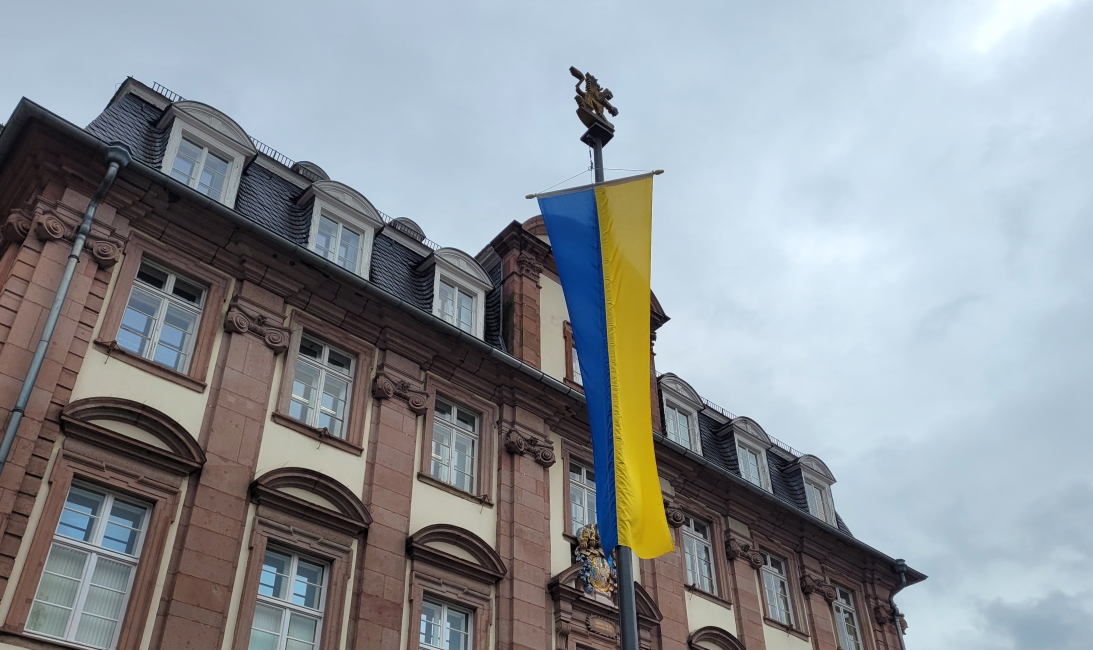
x,y
340,362
174,338
308,590
152,276
81,511
305,385
188,291
463,462
186,162
274,580
332,411
442,442
57,591
447,302
443,411
212,176
138,322
457,630
311,349
266,629
123,528
466,312
326,237
466,420
430,624
301,632
96,632
349,249
48,619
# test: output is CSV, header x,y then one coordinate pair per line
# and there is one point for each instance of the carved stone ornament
x,y
596,574
884,615
529,265
49,228
243,321
673,514
16,227
604,627
106,253
742,548
811,584
384,387
522,444
562,628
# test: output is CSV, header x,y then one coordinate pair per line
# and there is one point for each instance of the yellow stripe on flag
x,y
626,217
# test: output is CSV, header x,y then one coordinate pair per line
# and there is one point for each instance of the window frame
x,y
477,303
853,610
206,151
572,376
357,402
691,417
444,607
825,500
168,299
83,462
761,454
457,430
798,616
184,124
687,532
324,209
324,369
208,328
460,270
570,461
287,606
488,415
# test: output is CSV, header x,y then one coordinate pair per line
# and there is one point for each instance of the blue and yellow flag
x,y
601,239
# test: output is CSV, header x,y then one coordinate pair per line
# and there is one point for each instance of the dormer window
x,y
343,225
206,150
751,455
817,479
201,169
680,407
459,290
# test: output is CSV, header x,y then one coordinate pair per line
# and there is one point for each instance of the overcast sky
x,y
873,235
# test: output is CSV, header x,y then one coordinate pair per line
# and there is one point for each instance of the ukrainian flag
x,y
601,239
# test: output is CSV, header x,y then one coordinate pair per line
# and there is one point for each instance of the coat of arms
x,y
596,574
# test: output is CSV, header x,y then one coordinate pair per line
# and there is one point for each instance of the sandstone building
x,y
272,417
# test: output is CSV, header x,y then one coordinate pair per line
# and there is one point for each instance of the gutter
x,y
27,111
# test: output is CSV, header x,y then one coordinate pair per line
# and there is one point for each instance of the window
x,y
846,620
321,387
576,369
817,501
455,446
88,574
444,627
699,554
161,317
457,306
201,169
582,496
340,244
777,589
289,611
678,425
750,467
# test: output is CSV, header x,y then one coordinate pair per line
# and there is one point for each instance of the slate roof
x,y
272,202
719,447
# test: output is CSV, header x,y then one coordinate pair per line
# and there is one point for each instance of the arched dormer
x,y
312,496
751,443
460,285
713,638
458,549
310,171
206,150
681,405
817,479
343,225
133,430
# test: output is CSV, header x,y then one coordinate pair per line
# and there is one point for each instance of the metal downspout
x,y
118,156
901,569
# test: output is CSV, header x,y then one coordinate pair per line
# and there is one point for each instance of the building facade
x,y
273,417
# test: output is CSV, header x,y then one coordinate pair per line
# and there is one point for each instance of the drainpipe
x,y
117,155
901,569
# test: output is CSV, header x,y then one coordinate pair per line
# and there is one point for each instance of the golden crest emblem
x,y
596,574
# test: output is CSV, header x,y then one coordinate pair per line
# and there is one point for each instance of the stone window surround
x,y
567,332
799,627
290,522
489,416
103,458
860,615
216,284
721,569
358,402
437,575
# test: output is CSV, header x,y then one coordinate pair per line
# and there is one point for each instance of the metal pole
x,y
118,157
628,609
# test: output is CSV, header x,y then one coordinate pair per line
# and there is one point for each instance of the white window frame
x,y
821,499
678,394
288,606
845,607
364,254
198,124
670,406
576,365
771,579
749,435
324,369
586,489
445,607
167,299
459,290
349,209
761,455
692,542
454,430
95,551
459,270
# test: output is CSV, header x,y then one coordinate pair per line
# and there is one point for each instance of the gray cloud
x,y
873,234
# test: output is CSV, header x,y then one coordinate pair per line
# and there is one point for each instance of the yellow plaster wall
x,y
552,314
702,612
779,640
